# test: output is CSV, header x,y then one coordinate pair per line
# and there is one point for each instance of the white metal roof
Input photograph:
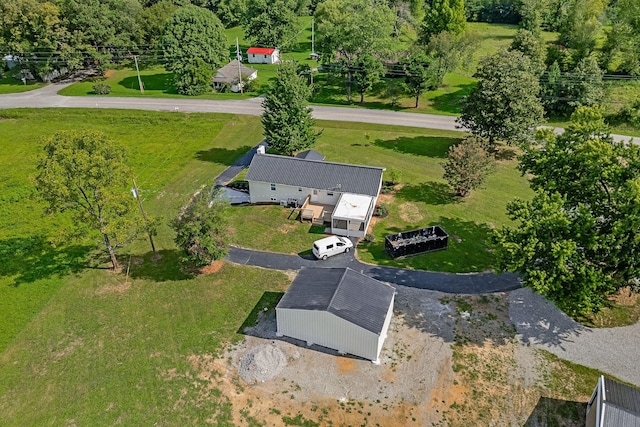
x,y
352,206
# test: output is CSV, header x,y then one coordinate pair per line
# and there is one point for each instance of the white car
x,y
330,246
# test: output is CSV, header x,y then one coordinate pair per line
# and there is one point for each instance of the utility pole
x,y
144,216
313,41
239,59
135,58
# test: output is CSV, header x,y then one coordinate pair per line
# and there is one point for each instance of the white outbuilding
x,y
337,308
263,55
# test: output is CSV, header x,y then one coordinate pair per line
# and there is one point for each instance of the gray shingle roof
x,y
356,179
343,292
310,155
621,405
229,73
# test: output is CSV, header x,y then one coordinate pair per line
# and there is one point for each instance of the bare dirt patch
x,y
109,73
319,385
120,288
448,361
212,268
410,212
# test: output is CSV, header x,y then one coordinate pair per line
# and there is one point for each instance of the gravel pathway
x,y
612,350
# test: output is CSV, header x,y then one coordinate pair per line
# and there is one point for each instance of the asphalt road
x,y
47,97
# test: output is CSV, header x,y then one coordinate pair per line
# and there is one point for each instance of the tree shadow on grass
x,y
222,156
431,193
159,81
452,102
267,301
428,146
166,267
504,152
34,258
557,412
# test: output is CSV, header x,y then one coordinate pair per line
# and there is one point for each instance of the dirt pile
x,y
262,364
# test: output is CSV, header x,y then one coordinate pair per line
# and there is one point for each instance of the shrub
x,y
381,211
369,238
101,89
468,164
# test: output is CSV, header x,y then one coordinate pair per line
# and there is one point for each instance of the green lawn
x,y
171,157
424,199
11,85
81,345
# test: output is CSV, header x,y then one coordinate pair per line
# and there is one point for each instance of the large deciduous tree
x,y
421,74
102,29
578,240
532,46
271,23
468,165
33,32
202,229
367,72
194,46
348,29
287,121
84,172
443,15
622,47
504,106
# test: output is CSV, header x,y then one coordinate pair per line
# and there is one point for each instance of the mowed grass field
x,y
82,345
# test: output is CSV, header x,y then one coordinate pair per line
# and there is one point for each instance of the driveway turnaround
x,y
471,283
540,323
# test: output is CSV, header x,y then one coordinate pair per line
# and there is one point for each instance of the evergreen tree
x,y
287,121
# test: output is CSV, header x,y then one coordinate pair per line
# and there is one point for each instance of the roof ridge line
x,y
344,273
325,162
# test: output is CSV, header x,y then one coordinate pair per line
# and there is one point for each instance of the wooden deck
x,y
317,213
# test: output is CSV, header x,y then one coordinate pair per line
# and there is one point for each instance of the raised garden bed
x,y
415,242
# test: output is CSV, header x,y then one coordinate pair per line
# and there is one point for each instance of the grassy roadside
x,y
11,85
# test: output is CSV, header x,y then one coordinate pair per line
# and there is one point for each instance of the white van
x,y
330,246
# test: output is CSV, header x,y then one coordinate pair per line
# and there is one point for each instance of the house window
x,y
315,192
299,189
329,193
273,187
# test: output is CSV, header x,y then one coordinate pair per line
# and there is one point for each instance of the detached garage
x,y
337,308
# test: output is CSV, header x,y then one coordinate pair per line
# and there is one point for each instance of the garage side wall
x,y
387,322
327,330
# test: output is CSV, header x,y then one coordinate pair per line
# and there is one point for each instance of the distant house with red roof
x,y
263,55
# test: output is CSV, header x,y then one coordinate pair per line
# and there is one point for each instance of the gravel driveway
x,y
541,324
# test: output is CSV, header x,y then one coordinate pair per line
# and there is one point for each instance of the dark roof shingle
x,y
356,179
343,292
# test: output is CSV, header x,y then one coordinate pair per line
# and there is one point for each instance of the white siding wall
x,y
387,322
328,330
261,192
327,197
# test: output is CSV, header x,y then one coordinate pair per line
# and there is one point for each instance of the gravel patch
x,y
541,324
262,364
